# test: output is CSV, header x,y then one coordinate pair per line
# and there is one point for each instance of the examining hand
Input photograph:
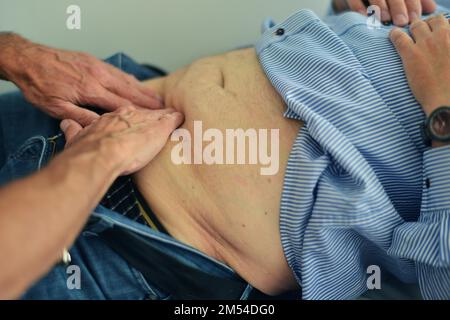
x,y
401,12
59,82
426,59
128,138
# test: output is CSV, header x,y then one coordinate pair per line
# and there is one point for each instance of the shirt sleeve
x,y
427,241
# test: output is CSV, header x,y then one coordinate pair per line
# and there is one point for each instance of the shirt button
x,y
428,183
280,32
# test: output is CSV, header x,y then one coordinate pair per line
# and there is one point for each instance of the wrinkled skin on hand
x,y
426,60
130,137
60,82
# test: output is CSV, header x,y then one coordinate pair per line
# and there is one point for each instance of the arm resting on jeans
x,y
42,214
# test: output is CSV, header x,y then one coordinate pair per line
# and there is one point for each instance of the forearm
x,y
11,45
41,215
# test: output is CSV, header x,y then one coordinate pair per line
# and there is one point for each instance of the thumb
x,y
70,129
82,116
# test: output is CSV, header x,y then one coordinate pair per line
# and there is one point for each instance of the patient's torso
x,y
230,212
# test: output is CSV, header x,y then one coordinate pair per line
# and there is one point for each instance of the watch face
x,y
440,124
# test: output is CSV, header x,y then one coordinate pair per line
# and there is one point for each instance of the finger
x,y
171,121
419,30
159,114
428,6
145,89
357,5
104,99
130,88
141,115
135,95
437,22
70,129
399,12
385,16
414,8
146,117
402,42
82,116
131,79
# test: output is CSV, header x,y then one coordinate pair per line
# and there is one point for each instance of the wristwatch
x,y
437,125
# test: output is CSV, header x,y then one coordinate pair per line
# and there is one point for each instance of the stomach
x,y
228,211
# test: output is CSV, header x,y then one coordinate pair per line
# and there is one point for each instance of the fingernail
x,y
400,20
64,125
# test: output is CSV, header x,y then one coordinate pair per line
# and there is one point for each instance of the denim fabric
x,y
103,273
19,120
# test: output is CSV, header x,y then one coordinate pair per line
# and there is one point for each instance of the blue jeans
x,y
96,271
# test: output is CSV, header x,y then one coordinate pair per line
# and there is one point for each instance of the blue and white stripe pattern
x,y
354,191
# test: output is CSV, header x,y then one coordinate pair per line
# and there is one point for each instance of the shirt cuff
x,y
436,194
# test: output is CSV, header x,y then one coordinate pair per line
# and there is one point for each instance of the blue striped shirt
x,y
355,191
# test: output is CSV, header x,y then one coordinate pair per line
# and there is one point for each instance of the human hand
x,y
60,82
426,59
128,138
401,12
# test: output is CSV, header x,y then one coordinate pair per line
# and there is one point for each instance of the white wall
x,y
168,33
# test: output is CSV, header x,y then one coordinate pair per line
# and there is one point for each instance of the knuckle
x,y
433,20
402,43
441,18
399,38
416,25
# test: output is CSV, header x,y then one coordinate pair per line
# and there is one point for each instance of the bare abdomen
x,y
228,211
